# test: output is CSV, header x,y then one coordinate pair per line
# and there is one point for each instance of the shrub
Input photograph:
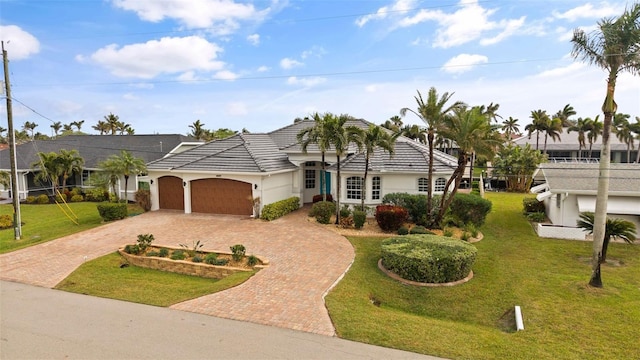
x,y
164,252
420,230
6,221
77,198
428,258
112,211
280,208
465,236
61,197
97,195
390,217
143,199
416,206
345,211
178,255
196,247
470,209
252,260
447,232
196,259
322,211
153,253
42,199
472,230
211,258
237,252
359,218
30,199
403,230
346,222
532,205
144,241
537,217
132,249
318,198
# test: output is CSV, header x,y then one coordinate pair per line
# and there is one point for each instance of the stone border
x,y
394,276
187,267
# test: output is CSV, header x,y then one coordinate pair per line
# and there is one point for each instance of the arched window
x,y
440,184
354,188
423,185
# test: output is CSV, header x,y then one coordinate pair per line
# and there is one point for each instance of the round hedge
x,y
428,258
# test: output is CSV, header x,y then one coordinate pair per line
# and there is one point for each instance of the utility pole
x,y
17,219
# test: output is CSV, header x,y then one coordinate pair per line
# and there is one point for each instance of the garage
x,y
221,196
171,193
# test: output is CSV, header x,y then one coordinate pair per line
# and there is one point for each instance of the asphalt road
x,y
41,323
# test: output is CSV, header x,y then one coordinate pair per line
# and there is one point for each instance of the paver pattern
x,y
306,260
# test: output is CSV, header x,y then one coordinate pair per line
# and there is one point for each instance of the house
x,y
571,188
567,148
93,149
227,176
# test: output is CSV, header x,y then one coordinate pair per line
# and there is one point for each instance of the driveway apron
x,y
305,262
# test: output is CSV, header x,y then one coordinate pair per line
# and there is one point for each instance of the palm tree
x,y
340,138
471,129
622,129
614,47
102,127
538,125
47,169
394,123
77,124
197,130
510,127
552,129
67,129
56,126
130,131
582,126
432,113
415,132
113,123
614,228
319,134
491,111
595,130
564,115
371,139
123,127
30,126
126,165
635,127
70,162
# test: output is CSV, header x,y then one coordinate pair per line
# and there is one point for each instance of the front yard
x,y
563,317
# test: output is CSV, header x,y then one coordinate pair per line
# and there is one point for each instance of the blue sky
x,y
161,65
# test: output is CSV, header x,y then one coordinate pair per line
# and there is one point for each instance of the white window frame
x,y
440,184
423,184
376,187
354,188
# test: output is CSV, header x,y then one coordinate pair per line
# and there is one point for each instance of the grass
x,y
563,317
42,223
103,277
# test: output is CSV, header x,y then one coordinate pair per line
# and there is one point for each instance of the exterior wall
x,y
274,188
560,232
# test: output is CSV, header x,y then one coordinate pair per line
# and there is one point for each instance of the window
x,y
440,184
423,185
354,188
310,164
375,188
309,179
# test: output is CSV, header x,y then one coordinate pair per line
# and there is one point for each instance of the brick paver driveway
x,y
306,260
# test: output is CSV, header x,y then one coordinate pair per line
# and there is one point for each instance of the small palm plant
x,y
615,228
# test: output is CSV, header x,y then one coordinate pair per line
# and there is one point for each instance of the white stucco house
x,y
225,176
571,188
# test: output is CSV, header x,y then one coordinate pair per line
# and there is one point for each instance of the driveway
x,y
305,262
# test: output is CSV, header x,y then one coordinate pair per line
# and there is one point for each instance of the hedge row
x,y
112,211
280,208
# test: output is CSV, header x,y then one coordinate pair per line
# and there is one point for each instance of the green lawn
x,y
103,277
43,223
563,317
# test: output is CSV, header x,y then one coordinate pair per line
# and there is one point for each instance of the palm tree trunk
x,y
628,153
323,175
544,151
457,177
430,173
126,188
338,193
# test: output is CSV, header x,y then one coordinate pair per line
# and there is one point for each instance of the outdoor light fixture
x,y
184,183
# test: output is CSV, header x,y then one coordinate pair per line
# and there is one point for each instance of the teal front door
x,y
327,182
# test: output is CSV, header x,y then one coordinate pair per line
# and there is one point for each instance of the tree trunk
x,y
126,188
430,174
323,175
338,193
596,279
457,177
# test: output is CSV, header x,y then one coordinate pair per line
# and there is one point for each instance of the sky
x,y
160,65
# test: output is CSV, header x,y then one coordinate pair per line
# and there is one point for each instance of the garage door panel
x,y
170,193
221,196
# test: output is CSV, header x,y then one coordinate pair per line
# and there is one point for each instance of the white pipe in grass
x,y
519,322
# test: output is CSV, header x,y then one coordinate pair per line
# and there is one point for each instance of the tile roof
x,y
583,178
568,141
96,148
243,153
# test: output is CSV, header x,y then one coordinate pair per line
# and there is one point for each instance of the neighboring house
x,y
567,147
570,189
93,149
227,176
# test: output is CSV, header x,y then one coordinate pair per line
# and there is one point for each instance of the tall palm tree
x,y
126,164
581,126
56,126
197,130
319,134
510,126
415,132
552,129
491,111
70,162
614,47
565,114
371,139
77,124
102,127
394,123
47,169
635,127
538,125
30,126
614,228
595,130
113,123
471,129
622,129
432,113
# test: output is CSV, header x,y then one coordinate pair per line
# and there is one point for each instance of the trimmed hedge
x,y
323,211
391,217
359,218
318,198
416,205
112,211
280,208
428,258
77,198
532,205
42,199
469,209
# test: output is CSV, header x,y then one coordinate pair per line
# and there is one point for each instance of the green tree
x,y
30,127
320,135
539,122
595,130
371,139
70,162
77,124
394,123
125,164
510,126
582,127
614,47
197,130
553,129
614,228
47,170
102,127
516,165
565,114
432,113
5,178
623,130
113,123
635,127
56,126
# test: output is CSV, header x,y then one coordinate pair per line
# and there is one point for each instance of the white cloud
x,y
510,27
167,55
225,75
18,43
254,39
288,63
306,81
371,88
188,76
221,16
237,109
316,51
567,35
589,12
463,63
263,68
130,96
419,41
561,71
397,8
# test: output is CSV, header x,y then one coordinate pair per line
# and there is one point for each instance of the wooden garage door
x,y
171,193
221,196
